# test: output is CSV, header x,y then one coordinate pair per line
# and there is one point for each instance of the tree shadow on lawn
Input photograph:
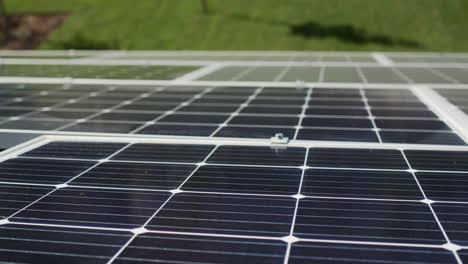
x,y
345,32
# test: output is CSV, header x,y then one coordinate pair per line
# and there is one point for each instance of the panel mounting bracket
x,y
279,138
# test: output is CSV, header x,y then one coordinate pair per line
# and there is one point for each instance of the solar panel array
x,y
164,157
352,114
110,202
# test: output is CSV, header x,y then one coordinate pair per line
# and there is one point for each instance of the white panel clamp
x,y
279,138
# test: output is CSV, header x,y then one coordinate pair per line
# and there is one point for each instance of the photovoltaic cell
x,y
438,160
165,152
356,158
453,218
15,197
198,249
306,252
43,171
226,214
135,175
94,208
40,244
276,156
253,180
367,221
81,150
363,184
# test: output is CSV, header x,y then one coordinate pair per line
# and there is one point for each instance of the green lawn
x,y
347,25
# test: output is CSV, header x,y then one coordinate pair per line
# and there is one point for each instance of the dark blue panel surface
x,y
39,244
178,130
330,253
254,132
410,137
208,108
15,197
454,219
135,175
411,124
78,150
276,156
403,113
438,160
180,118
92,207
160,248
337,122
400,222
101,127
244,180
362,184
272,110
34,124
44,171
165,152
125,117
444,186
337,112
337,135
264,120
356,158
226,214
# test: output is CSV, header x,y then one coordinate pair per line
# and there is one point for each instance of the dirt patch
x,y
28,31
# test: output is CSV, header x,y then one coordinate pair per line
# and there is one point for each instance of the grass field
x,y
416,25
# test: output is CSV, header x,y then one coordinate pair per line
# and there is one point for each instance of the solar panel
x,y
163,157
222,203
336,114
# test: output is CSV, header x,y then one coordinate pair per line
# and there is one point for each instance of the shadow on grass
x,y
346,33
80,42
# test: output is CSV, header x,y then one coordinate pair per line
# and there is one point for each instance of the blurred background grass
x,y
343,25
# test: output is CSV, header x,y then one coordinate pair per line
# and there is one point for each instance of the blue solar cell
x,y
454,219
40,244
135,175
178,130
199,249
411,137
231,179
276,156
78,150
165,152
356,158
438,160
399,222
226,214
254,132
337,135
43,171
15,197
361,184
444,186
332,253
94,207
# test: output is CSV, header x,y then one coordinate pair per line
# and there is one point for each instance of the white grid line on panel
x,y
369,112
296,208
305,106
429,204
143,227
235,113
57,187
122,103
